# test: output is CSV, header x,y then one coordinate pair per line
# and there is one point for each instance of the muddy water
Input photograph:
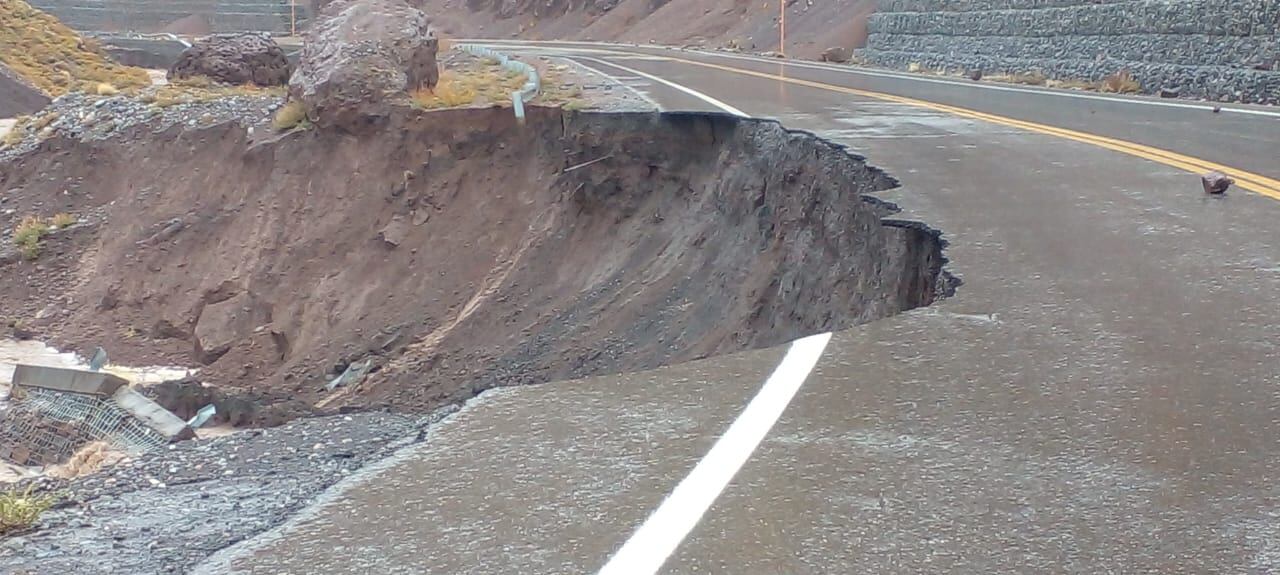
x,y
36,353
30,352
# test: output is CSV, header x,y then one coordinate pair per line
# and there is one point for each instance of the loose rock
x,y
837,54
362,56
247,58
1216,183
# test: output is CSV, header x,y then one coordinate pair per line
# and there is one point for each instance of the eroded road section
x,y
1102,395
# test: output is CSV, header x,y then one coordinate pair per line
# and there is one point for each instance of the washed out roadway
x,y
1102,395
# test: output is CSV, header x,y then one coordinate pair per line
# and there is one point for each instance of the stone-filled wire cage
x,y
184,17
45,427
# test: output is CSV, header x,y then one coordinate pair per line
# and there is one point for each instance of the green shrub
x,y
20,510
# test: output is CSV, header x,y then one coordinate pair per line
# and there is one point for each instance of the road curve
x,y
1102,395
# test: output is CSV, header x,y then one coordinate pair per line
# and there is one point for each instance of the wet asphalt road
x,y
1101,396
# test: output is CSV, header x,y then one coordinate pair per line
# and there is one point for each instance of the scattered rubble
x,y
234,59
166,511
85,117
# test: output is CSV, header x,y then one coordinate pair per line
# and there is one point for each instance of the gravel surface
x,y
87,117
166,511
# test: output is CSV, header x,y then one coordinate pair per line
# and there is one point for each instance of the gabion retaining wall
x,y
1226,50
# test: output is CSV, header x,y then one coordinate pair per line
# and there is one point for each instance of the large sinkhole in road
x,y
458,250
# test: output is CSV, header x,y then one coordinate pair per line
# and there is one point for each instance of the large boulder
x,y
838,54
223,324
360,57
246,58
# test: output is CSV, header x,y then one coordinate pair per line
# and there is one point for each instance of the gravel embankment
x,y
166,511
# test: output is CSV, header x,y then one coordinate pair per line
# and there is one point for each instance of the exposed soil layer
x,y
456,250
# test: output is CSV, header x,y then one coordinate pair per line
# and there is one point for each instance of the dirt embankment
x,y
812,26
456,250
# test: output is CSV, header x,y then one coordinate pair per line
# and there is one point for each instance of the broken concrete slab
x,y
94,383
152,415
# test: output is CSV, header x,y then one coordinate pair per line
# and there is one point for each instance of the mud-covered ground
x,y
166,511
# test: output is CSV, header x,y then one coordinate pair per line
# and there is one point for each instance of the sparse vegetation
x,y
31,229
1075,85
289,116
1032,78
19,510
27,236
485,84
1121,82
192,90
63,220
56,59
17,132
88,459
555,92
198,81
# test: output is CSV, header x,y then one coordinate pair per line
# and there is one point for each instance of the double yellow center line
x,y
1247,180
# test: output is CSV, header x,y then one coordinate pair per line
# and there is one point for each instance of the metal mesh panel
x,y
44,426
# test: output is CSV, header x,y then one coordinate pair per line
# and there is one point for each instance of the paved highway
x,y
1102,395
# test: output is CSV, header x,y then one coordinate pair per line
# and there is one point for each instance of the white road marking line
x,y
618,81
903,76
689,91
985,86
655,541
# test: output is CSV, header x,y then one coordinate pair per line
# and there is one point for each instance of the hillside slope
x,y
812,25
52,58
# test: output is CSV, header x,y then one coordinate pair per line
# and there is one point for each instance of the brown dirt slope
x,y
53,58
456,250
812,25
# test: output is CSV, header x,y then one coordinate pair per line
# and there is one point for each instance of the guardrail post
x,y
532,82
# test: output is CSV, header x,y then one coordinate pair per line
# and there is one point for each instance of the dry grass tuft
x,y
1121,82
19,510
483,85
31,229
1075,85
289,116
1032,78
191,91
62,220
89,459
197,81
27,236
17,132
54,58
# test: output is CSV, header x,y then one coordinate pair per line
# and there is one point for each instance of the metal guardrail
x,y
531,85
